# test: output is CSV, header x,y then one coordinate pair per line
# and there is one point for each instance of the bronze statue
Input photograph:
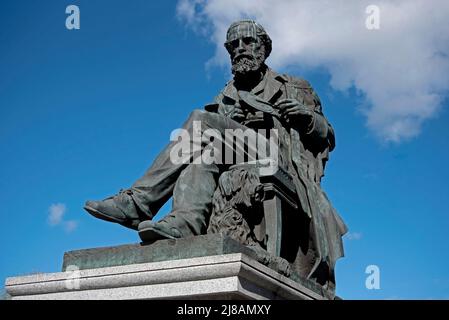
x,y
207,195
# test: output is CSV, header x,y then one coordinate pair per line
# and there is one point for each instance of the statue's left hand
x,y
291,110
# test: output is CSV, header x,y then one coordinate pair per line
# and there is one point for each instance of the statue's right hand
x,y
237,114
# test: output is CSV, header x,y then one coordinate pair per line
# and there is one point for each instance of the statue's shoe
x,y
105,210
150,231
119,209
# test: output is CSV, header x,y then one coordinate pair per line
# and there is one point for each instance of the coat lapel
x,y
230,91
273,84
267,89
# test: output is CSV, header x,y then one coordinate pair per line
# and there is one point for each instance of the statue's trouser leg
x,y
152,190
194,183
192,199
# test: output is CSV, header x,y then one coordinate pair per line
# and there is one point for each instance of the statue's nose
x,y
241,47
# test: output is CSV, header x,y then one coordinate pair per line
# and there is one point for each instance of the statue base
x,y
204,267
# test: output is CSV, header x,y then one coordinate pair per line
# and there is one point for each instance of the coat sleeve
x,y
215,105
219,106
318,134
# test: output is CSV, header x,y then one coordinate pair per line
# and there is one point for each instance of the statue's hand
x,y
292,111
237,114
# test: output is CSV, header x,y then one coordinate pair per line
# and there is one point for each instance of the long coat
x,y
304,152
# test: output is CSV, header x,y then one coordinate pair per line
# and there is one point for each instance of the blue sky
x,y
84,112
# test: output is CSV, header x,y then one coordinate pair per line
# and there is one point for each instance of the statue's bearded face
x,y
247,53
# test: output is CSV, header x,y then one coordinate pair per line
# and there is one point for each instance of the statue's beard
x,y
244,65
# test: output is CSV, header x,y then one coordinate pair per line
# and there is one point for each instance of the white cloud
x,y
55,217
56,213
401,69
354,236
70,226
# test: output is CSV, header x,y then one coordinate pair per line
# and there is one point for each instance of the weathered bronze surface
x,y
284,214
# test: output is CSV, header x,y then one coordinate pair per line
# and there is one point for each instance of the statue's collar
x,y
267,88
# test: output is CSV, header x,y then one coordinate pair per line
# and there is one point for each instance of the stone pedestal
x,y
204,267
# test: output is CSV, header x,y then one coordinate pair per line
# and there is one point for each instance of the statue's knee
x,y
197,115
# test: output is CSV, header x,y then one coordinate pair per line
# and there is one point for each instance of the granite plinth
x,y
204,267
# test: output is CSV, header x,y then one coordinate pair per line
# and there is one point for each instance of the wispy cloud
x,y
400,70
354,236
70,226
56,213
55,217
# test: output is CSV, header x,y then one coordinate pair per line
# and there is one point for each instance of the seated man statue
x,y
305,139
